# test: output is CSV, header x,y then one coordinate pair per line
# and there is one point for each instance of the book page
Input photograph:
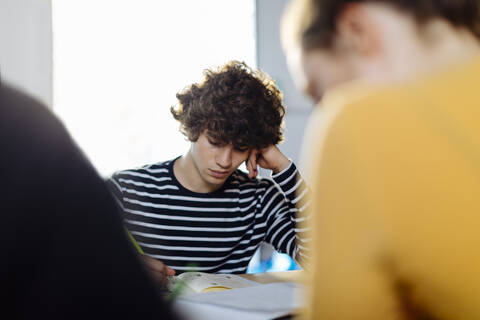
x,y
260,302
207,282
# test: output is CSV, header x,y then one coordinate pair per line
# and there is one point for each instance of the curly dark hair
x,y
315,19
233,104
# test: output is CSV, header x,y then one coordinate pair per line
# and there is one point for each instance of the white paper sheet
x,y
260,302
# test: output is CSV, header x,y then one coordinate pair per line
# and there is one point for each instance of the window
x,y
119,63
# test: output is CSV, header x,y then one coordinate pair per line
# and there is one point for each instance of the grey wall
x,y
272,60
26,46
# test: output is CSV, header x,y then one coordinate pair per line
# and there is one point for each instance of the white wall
x,y
272,60
26,46
26,57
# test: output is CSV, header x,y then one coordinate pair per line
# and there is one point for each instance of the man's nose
x,y
224,157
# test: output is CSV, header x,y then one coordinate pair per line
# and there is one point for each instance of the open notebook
x,y
258,302
196,282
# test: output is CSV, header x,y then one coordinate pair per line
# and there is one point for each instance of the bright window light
x,y
119,63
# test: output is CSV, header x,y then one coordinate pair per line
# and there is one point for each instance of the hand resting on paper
x,y
157,269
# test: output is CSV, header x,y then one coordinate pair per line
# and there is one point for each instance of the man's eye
x,y
241,149
214,143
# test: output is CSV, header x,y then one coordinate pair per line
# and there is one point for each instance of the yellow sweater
x,y
395,175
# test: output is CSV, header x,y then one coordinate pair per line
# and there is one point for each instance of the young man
x,y
199,210
394,156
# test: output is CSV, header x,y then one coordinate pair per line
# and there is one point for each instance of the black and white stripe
x,y
214,232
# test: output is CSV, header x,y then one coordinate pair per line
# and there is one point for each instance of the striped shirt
x,y
212,232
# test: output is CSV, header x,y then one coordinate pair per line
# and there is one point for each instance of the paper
x,y
260,302
205,282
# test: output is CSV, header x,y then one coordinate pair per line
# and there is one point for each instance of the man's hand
x,y
157,269
268,158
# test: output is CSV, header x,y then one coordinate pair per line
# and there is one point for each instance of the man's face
x,y
215,161
323,69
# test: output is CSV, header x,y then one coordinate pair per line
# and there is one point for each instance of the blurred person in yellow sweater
x,y
393,154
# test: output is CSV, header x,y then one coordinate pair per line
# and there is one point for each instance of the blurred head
x,y
334,41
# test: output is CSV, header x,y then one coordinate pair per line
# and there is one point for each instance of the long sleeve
x,y
286,201
348,280
395,190
218,231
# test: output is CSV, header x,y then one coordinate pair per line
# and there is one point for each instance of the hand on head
x,y
270,158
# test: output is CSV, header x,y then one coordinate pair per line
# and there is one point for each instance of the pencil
x,y
134,242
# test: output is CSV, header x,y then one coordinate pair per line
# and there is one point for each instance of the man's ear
x,y
357,30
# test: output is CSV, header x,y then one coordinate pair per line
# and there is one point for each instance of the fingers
x,y
169,271
152,263
157,269
272,158
252,164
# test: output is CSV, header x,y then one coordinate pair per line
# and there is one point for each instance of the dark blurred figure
x,y
64,252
